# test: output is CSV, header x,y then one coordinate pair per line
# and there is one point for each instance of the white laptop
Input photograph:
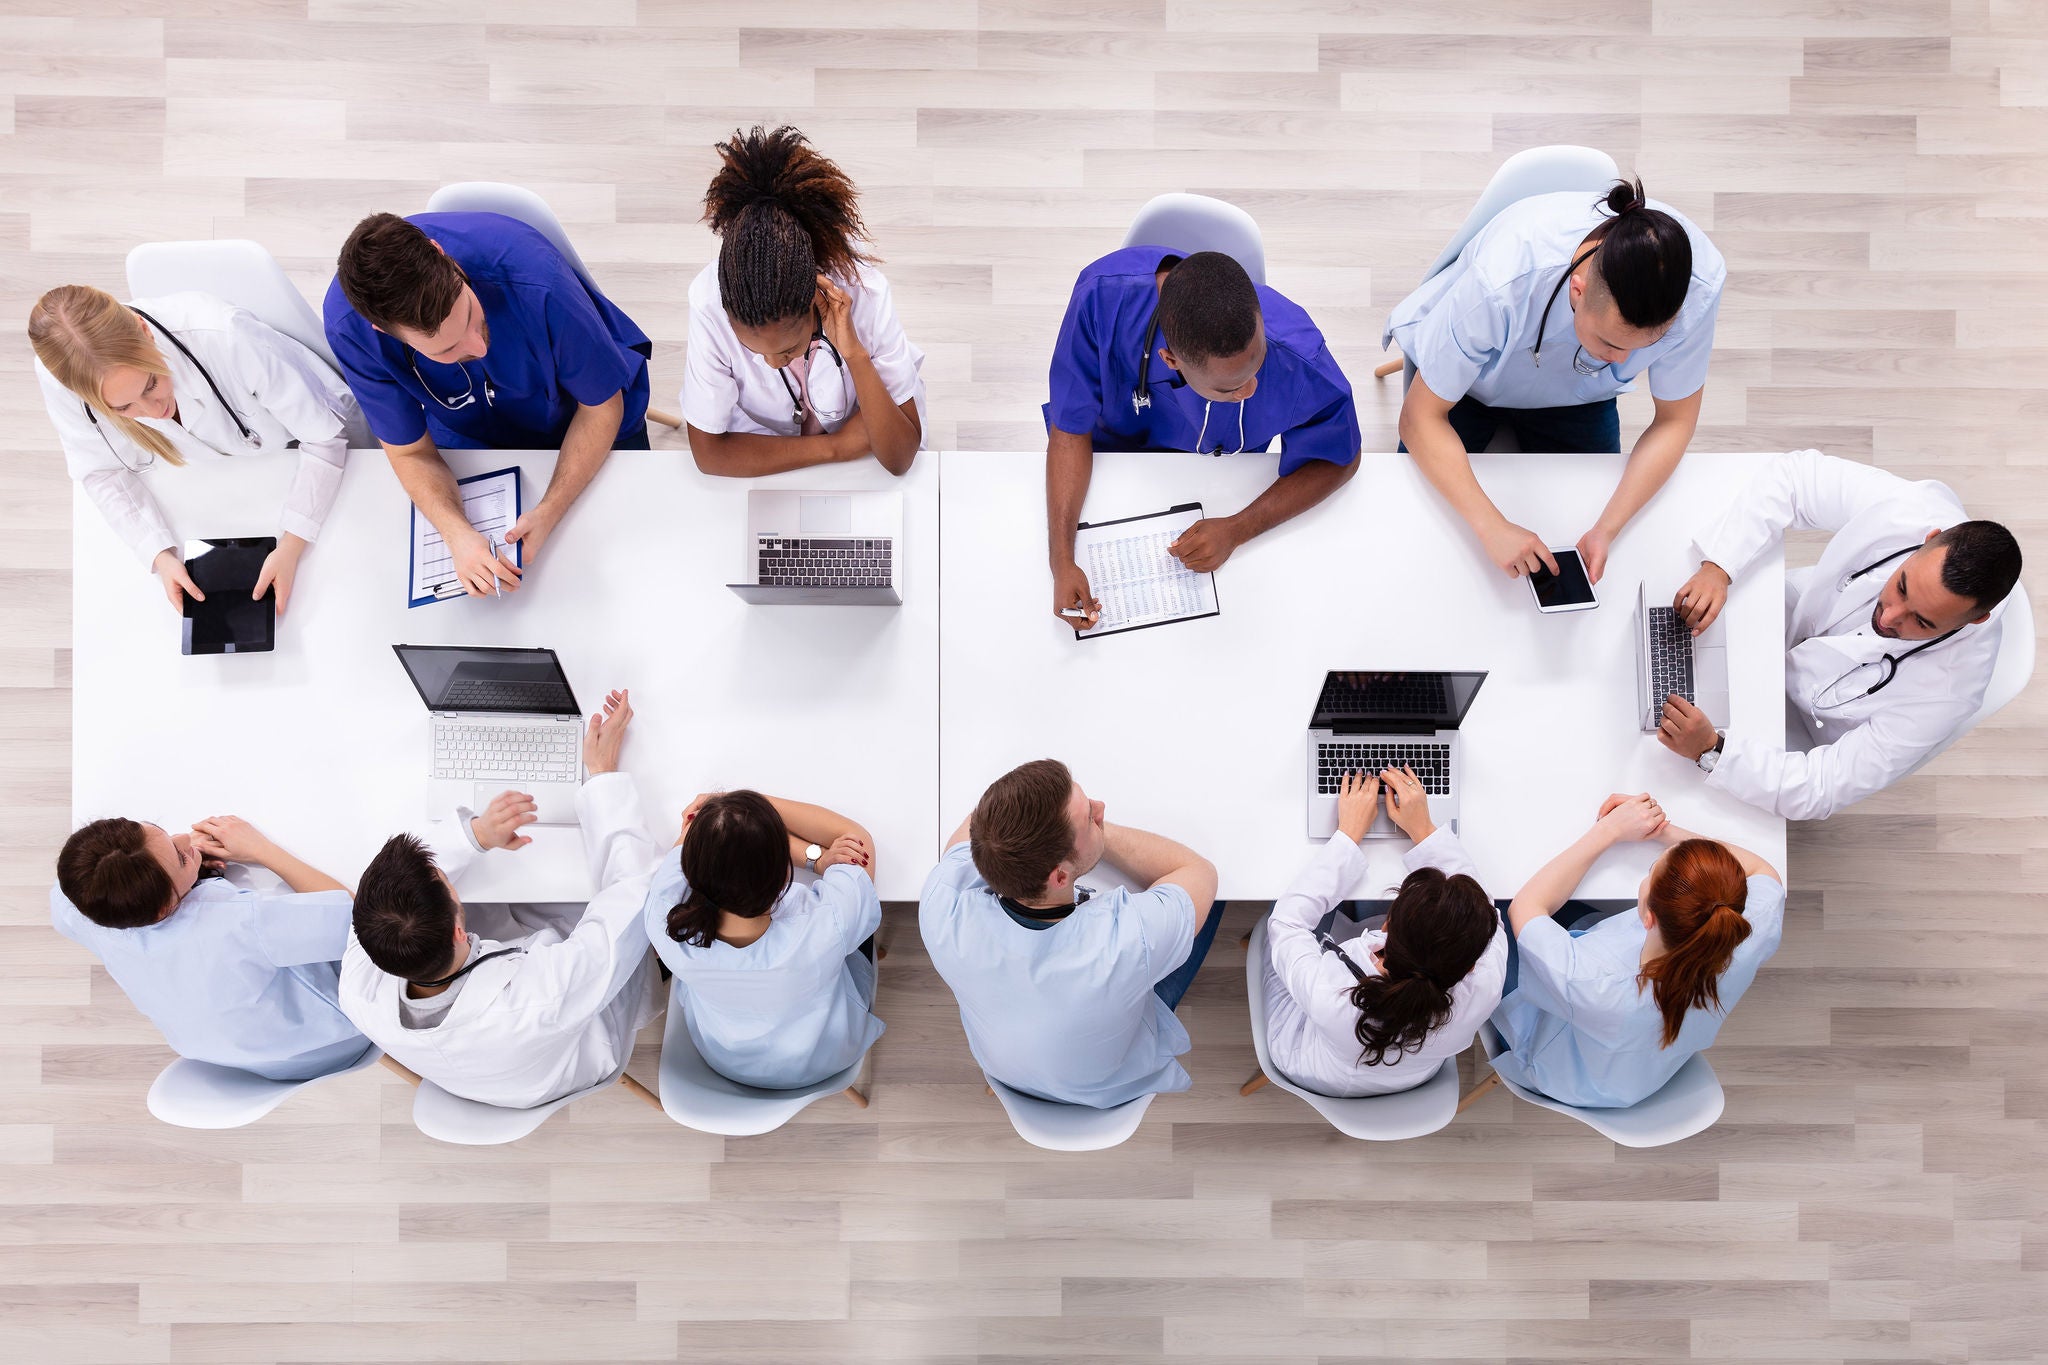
x,y
1670,659
1368,721
500,720
823,548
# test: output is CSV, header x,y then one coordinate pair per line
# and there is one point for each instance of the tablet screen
x,y
1567,587
229,621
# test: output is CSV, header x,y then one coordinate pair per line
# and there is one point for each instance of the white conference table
x,y
1196,729
321,743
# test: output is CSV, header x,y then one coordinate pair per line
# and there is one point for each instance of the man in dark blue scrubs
x,y
1161,351
471,331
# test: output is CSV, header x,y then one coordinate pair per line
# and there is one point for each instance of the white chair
x,y
450,1118
697,1097
1530,172
193,1094
1375,1118
241,272
1689,1103
1068,1127
2010,672
1195,222
516,201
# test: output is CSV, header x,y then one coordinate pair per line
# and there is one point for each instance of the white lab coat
x,y
284,393
1870,742
560,1017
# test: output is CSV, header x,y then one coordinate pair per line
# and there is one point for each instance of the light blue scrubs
x,y
793,1006
1471,328
1068,1012
239,978
1580,1030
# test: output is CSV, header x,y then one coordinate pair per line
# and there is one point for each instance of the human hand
x,y
481,573
231,839
1204,546
847,848
280,570
1592,548
170,571
1701,597
606,734
501,821
690,812
1685,729
835,318
1358,804
1517,550
1070,591
1408,803
1630,819
531,531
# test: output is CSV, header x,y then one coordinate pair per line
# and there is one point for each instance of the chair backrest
x,y
193,1094
1195,222
1068,1127
1687,1104
1411,1113
2015,664
450,1118
1530,172
237,270
514,201
698,1097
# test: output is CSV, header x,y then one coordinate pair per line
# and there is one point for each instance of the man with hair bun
x,y
1162,350
1556,305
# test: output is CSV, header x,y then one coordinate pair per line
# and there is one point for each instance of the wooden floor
x,y
1876,172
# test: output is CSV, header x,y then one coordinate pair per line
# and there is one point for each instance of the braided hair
x,y
785,214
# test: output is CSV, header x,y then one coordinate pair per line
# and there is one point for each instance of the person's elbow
x,y
709,453
1199,879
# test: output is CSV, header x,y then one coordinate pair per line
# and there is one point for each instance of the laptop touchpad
x,y
824,514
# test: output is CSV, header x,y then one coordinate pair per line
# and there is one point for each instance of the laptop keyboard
x,y
810,562
519,753
1431,762
1670,657
1362,694
501,694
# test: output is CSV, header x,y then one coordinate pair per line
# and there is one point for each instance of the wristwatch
x,y
1712,756
811,855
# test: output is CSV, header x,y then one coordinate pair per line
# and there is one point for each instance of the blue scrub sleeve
x,y
1332,434
1681,372
1548,967
1165,919
395,416
590,366
295,930
1461,334
855,906
1076,377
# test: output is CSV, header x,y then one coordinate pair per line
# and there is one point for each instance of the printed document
x,y
1138,583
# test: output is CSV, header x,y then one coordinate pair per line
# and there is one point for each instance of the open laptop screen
x,y
479,678
1406,702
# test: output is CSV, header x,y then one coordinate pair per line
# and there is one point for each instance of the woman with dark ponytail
x,y
796,357
772,973
1380,1012
1602,1017
1556,305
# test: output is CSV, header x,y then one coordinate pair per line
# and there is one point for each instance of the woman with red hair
x,y
1602,1017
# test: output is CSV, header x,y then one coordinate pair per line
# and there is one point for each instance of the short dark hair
x,y
394,275
783,213
405,913
1020,831
735,857
1645,260
1208,307
107,871
1982,563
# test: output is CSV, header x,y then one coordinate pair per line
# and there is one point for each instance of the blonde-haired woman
x,y
185,377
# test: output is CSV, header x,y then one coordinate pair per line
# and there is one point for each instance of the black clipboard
x,y
1148,625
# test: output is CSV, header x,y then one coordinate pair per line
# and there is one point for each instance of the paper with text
x,y
1134,577
491,504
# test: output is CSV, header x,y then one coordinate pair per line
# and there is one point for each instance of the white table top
x,y
1196,730
321,744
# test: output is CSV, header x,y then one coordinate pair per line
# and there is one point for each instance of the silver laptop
x,y
1365,722
823,548
500,719
1670,659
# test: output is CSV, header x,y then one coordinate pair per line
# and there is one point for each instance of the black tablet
x,y
229,621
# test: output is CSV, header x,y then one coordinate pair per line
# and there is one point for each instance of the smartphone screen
x,y
1568,587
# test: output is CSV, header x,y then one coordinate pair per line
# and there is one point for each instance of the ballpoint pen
x,y
494,545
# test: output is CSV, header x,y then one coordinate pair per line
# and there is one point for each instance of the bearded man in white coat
x,y
534,1013
1890,639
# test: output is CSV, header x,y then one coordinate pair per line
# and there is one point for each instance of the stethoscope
x,y
1579,357
254,440
1887,665
1141,396
796,399
461,400
470,967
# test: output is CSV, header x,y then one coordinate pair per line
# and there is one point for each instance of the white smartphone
x,y
1566,590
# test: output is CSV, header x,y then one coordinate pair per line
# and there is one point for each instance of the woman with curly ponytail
x,y
1381,1011
796,357
1603,1017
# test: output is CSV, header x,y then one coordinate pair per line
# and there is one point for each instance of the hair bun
x,y
1627,196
